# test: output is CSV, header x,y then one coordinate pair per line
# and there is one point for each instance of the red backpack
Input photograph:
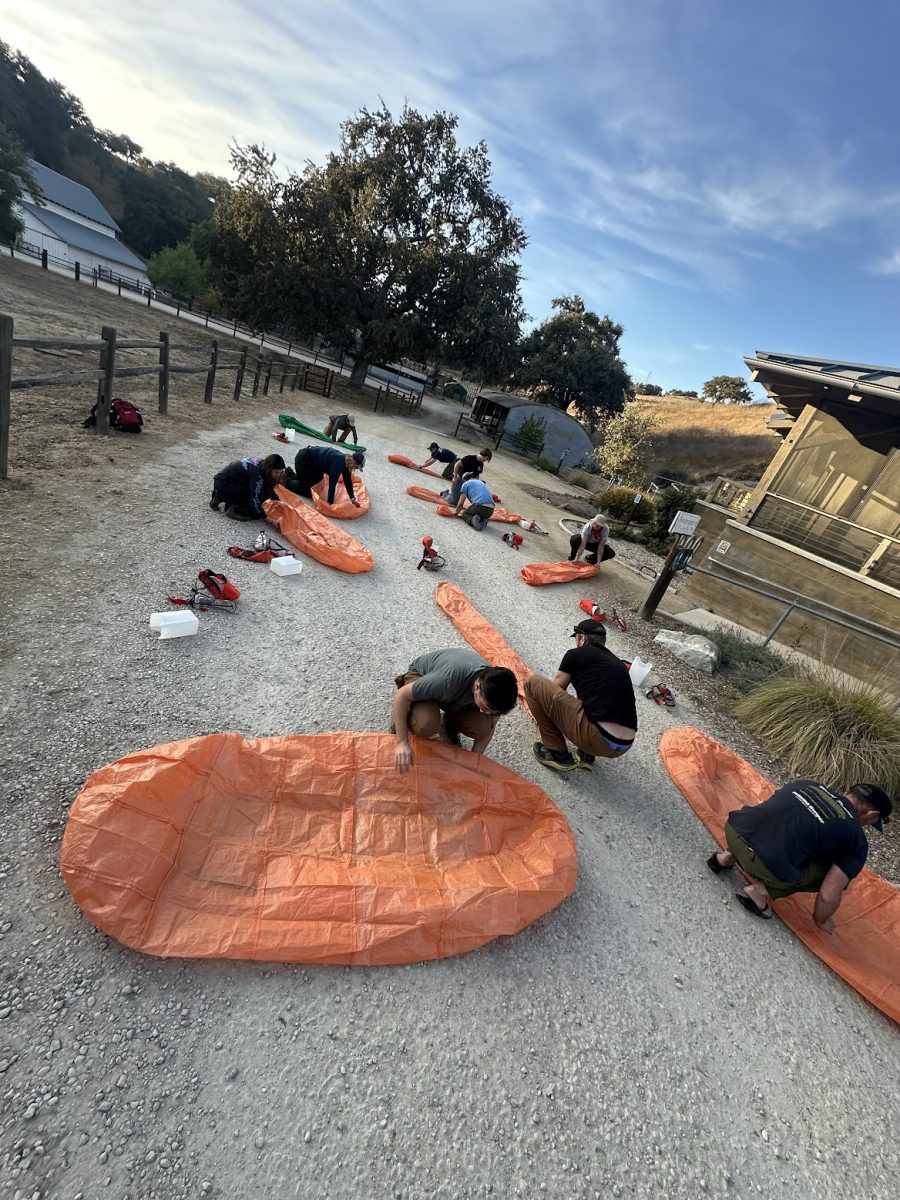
x,y
125,417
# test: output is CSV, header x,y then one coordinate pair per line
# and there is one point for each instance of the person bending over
x,y
314,463
805,838
469,466
442,455
343,424
471,694
600,720
481,503
245,484
592,542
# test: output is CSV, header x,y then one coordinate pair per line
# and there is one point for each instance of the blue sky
x,y
718,178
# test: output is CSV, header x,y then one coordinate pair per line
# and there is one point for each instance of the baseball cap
x,y
589,627
872,795
359,458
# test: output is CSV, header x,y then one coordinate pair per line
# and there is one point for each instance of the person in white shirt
x,y
592,542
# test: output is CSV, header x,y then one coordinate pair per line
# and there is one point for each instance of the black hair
x,y
272,462
434,446
499,688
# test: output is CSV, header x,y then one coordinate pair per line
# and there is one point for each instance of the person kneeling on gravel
x,y
244,485
343,424
313,463
592,542
481,503
470,693
464,468
600,719
804,838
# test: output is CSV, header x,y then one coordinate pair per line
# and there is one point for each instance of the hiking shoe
x,y
478,522
583,760
214,503
445,495
238,514
554,759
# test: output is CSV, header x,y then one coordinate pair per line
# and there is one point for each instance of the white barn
x,y
73,226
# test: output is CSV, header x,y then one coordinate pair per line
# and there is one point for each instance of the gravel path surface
x,y
646,1039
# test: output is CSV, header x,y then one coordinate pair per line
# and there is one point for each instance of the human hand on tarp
x,y
403,757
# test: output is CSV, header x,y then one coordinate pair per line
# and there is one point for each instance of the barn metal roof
x,y
794,381
65,192
80,236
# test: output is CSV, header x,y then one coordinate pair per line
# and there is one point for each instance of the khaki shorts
x,y
749,862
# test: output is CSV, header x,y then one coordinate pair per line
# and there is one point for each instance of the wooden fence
x,y
304,375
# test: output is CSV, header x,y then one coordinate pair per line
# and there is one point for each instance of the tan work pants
x,y
560,715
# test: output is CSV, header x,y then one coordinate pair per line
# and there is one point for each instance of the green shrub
x,y
618,503
665,505
745,663
545,464
529,437
827,728
581,481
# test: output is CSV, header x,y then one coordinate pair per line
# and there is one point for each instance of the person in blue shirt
x,y
314,463
442,455
481,503
805,838
244,485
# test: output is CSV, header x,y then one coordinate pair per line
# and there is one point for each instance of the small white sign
x,y
684,522
638,497
723,547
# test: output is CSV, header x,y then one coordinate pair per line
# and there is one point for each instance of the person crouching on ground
x,y
313,463
804,838
442,455
600,719
481,503
245,484
592,542
465,468
343,424
470,693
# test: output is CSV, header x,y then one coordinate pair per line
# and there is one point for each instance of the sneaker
x,y
555,760
214,503
583,760
445,495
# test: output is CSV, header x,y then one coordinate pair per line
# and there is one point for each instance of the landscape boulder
x,y
692,648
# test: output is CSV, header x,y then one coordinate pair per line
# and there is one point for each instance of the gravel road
x,y
646,1039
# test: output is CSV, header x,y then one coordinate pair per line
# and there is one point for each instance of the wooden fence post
x,y
284,371
77,271
107,383
296,378
239,374
305,376
164,371
211,373
256,375
44,259
6,348
268,377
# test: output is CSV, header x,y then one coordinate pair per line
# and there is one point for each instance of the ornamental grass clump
x,y
745,663
827,728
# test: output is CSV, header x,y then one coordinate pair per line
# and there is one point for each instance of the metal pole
x,y
164,371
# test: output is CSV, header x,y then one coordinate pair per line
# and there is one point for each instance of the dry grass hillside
x,y
703,440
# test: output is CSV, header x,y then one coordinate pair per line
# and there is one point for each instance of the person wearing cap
x,y
592,542
314,463
600,720
471,694
467,467
481,503
805,838
442,455
343,423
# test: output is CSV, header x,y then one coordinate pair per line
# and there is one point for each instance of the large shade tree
x,y
397,246
572,358
16,183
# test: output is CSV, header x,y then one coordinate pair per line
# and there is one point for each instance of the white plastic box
x,y
180,623
639,670
288,434
286,564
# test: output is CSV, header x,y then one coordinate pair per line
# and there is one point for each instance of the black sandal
x,y
752,907
715,866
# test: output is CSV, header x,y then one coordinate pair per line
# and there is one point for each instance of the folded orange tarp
x,y
313,850
499,514
342,509
402,461
538,574
865,946
422,493
480,633
315,535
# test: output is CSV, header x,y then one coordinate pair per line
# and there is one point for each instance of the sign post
x,y
680,554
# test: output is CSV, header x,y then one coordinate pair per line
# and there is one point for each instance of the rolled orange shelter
x,y
313,850
538,574
422,493
315,535
342,509
499,514
865,946
402,461
480,633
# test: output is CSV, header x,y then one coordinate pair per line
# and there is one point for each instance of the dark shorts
x,y
749,862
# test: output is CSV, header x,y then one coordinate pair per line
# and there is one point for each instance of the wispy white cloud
x,y
889,265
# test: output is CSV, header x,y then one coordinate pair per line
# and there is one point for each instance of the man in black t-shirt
x,y
468,467
600,719
804,838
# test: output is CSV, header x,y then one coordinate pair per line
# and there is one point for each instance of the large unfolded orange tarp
x,y
538,574
480,633
402,461
313,850
865,946
315,535
342,508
